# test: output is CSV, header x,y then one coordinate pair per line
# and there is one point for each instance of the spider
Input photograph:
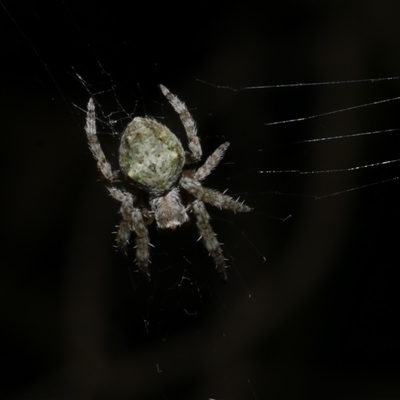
x,y
151,159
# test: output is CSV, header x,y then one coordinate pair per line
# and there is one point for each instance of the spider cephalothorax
x,y
152,158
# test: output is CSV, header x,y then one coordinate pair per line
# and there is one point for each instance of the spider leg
x,y
211,162
142,242
209,237
124,228
211,196
102,164
132,220
188,123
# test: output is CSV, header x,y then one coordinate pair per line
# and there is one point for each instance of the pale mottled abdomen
x,y
151,155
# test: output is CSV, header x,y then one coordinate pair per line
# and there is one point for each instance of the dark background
x,y
310,309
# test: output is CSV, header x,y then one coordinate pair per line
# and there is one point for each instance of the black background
x,y
311,305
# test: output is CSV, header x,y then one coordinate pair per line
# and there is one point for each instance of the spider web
x,y
308,308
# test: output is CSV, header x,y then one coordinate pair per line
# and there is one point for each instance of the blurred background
x,y
309,310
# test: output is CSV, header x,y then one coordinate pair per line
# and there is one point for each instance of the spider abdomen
x,y
151,155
